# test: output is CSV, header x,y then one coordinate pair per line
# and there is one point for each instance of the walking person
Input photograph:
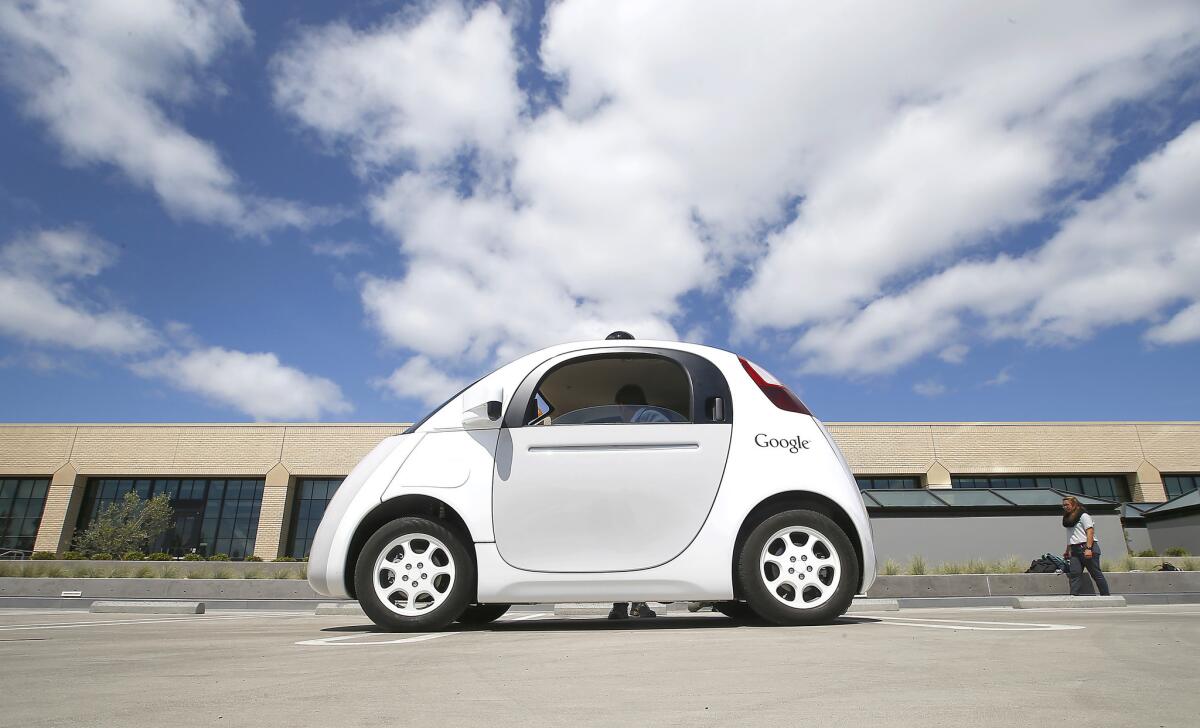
x,y
1083,548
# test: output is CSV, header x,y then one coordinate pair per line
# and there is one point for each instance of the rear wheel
x,y
414,574
798,567
482,613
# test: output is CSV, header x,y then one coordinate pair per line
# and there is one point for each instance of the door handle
x,y
616,447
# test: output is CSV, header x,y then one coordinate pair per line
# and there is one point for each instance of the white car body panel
x,y
591,498
535,544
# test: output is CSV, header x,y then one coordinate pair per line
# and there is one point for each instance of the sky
x,y
343,212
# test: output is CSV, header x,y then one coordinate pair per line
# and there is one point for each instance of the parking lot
x,y
1131,666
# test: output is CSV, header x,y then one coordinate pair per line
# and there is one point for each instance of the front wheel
x,y
414,575
798,567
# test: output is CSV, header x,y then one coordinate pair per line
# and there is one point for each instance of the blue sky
x,y
214,212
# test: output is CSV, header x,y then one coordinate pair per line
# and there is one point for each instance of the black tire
x,y
455,598
739,611
843,580
482,613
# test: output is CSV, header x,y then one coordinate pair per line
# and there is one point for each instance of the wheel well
x,y
406,505
796,499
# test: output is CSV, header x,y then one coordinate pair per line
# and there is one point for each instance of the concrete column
x,y
57,527
937,476
273,514
1146,485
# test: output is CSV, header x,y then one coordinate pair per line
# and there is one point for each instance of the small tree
x,y
126,526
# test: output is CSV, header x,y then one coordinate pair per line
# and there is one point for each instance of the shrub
x,y
222,574
219,557
126,525
891,567
101,556
119,572
143,572
133,556
55,572
290,559
1128,564
1147,552
193,557
83,572
1011,565
8,569
252,557
73,556
1190,564
252,574
198,574
169,573
32,570
43,555
158,556
916,566
950,567
1176,551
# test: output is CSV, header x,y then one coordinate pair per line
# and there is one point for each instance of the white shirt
x,y
1079,531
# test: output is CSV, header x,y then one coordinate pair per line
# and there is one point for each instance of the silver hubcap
x,y
800,567
414,574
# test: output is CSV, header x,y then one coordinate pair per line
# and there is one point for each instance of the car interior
x,y
655,390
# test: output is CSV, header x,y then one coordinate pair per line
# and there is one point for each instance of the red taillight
x,y
779,395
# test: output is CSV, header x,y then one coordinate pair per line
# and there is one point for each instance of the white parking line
x,y
105,623
157,620
344,640
973,625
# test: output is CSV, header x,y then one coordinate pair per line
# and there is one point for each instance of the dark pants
x,y
1079,563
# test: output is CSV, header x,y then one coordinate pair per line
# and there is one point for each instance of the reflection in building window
x,y
1112,487
21,504
873,483
211,516
312,497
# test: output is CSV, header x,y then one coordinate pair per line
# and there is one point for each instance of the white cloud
x,y
339,249
41,301
1004,376
420,86
422,380
1184,326
257,384
103,76
954,354
929,388
842,160
1121,258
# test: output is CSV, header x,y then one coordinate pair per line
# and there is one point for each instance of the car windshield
x,y
417,425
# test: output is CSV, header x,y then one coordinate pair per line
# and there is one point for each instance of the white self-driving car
x,y
615,470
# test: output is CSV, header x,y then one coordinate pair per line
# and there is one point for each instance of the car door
x,y
587,483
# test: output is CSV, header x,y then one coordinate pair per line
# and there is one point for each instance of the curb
x,y
1069,602
147,607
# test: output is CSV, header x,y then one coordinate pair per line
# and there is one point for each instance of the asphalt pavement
x,y
936,667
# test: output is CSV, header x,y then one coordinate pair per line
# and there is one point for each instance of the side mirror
x,y
482,408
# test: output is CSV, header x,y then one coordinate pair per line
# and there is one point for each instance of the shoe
x,y
618,612
641,611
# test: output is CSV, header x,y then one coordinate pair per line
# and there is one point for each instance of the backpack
x,y
1047,564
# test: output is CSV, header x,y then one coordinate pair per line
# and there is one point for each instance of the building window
x,y
1112,487
211,516
21,504
1180,484
873,483
312,497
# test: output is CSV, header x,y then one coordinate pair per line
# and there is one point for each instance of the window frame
x,y
704,379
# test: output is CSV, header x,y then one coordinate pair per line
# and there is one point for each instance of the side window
x,y
620,389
